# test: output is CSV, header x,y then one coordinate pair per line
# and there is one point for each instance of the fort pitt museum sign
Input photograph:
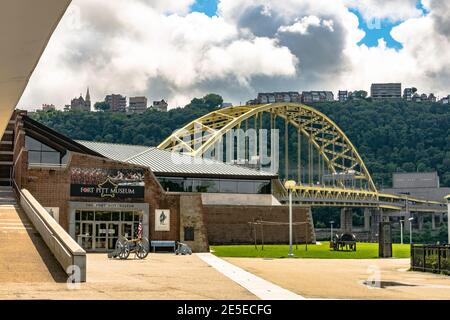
x,y
107,183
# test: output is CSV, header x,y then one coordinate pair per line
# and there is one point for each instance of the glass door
x,y
85,238
101,235
113,234
127,230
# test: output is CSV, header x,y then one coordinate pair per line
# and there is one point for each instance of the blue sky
x,y
208,7
375,30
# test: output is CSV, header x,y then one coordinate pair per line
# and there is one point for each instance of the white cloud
x,y
158,49
136,45
394,10
302,26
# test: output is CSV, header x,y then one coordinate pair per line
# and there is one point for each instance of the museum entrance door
x,y
86,235
99,231
106,235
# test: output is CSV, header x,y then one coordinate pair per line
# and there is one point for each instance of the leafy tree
x,y
102,106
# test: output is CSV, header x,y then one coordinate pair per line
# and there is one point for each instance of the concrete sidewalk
x,y
263,289
161,276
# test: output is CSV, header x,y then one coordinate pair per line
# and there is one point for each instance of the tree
x,y
102,106
213,100
360,94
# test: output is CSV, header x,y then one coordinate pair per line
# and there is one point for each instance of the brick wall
x,y
230,224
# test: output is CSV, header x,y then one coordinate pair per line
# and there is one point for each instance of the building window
x,y
204,185
39,153
188,233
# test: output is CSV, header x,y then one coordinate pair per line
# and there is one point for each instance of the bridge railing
x,y
67,252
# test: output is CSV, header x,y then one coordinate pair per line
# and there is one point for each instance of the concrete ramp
x,y
24,256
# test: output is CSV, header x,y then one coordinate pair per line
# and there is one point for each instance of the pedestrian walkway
x,y
261,288
24,257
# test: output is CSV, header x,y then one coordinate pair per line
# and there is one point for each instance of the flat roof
x,y
167,163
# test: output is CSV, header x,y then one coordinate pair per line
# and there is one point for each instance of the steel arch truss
x,y
322,133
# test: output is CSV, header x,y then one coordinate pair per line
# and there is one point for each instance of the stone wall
x,y
192,215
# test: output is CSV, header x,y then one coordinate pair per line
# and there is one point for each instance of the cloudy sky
x,y
180,49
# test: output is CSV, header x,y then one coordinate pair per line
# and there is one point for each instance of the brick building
x,y
100,191
117,102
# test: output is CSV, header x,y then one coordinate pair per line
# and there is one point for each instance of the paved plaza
x,y
167,276
29,271
348,278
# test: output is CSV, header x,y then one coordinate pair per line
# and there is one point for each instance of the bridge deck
x,y
24,257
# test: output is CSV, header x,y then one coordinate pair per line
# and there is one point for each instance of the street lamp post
x,y
410,230
289,185
331,232
401,231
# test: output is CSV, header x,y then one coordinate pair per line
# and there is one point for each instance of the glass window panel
x,y
47,148
263,187
116,216
137,217
32,144
127,216
77,229
172,184
50,157
246,187
34,157
188,185
90,215
102,216
228,186
208,185
77,215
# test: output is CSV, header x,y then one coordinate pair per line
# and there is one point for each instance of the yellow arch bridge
x,y
328,168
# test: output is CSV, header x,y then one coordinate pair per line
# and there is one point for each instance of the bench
x,y
163,244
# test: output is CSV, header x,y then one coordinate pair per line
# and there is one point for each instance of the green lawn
x,y
364,251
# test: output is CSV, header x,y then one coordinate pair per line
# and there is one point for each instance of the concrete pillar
x,y
420,220
366,219
346,220
433,221
384,216
375,221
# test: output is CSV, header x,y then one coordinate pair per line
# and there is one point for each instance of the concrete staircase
x,y
7,154
7,196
